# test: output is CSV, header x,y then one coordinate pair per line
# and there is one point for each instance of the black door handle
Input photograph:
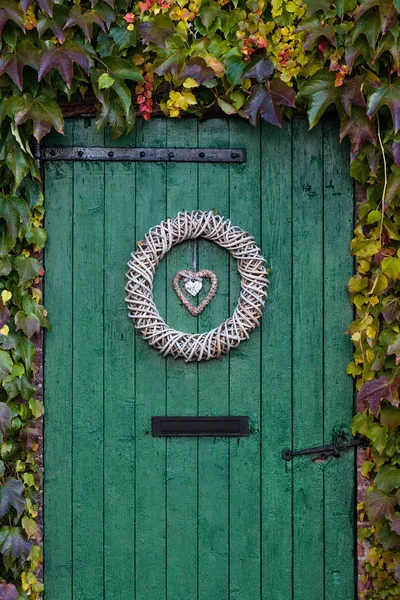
x,y
340,442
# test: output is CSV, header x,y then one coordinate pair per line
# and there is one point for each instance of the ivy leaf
x,y
368,25
28,323
391,267
121,69
390,416
375,390
209,11
29,436
260,70
321,91
25,350
44,112
387,12
379,505
4,314
13,546
197,69
14,63
265,100
105,81
391,309
389,44
389,538
84,20
8,591
11,10
45,5
359,128
6,364
395,524
157,31
11,494
394,347
28,268
314,6
62,59
314,30
15,212
388,478
5,418
388,94
56,24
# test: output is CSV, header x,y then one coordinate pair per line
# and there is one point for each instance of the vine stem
x,y
385,180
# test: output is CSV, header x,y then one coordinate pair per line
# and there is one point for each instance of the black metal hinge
x,y
340,442
201,155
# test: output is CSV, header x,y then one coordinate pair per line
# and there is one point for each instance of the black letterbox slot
x,y
200,426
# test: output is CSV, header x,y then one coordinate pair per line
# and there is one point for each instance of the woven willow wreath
x,y
142,266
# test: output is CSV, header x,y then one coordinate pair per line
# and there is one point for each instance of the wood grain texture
x,y
151,207
213,385
276,364
88,373
58,377
142,518
307,371
181,477
245,397
339,501
119,381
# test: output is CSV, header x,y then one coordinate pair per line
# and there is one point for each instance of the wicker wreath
x,y
142,266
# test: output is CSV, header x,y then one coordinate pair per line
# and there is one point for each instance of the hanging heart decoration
x,y
193,284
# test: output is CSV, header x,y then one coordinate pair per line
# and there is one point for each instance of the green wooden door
x,y
132,517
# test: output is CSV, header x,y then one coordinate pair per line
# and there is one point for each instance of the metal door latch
x,y
340,442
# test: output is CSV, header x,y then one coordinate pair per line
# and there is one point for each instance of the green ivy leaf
x,y
85,20
388,478
390,416
105,81
157,31
388,94
5,419
28,268
321,92
6,364
13,64
44,112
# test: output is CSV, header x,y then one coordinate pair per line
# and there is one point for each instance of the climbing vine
x,y
252,58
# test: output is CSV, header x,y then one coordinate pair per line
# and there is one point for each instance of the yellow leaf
x,y
26,253
5,330
6,296
190,83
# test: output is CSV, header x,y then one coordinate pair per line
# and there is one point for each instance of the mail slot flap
x,y
231,426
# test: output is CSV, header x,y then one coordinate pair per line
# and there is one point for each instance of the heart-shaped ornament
x,y
193,286
193,278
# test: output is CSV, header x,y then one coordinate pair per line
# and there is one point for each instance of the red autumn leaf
x,y
56,24
359,128
260,70
265,100
376,390
84,20
13,64
395,525
62,58
380,505
157,31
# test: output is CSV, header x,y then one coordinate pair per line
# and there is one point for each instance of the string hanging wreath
x,y
253,292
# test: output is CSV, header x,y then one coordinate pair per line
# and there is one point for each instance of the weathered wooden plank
x,y
150,390
245,397
276,363
307,374
213,538
182,454
339,475
119,384
58,378
88,374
